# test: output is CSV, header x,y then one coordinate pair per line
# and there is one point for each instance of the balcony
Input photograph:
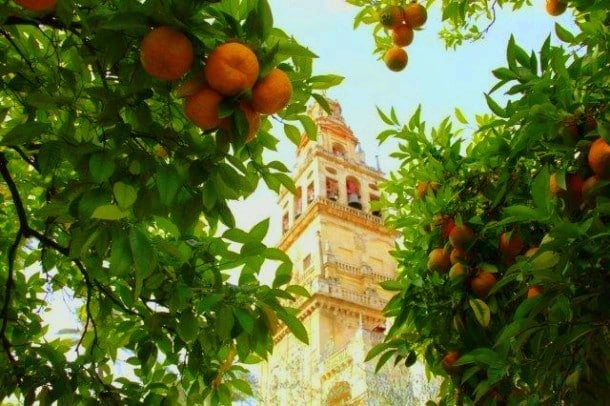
x,y
346,209
357,271
332,289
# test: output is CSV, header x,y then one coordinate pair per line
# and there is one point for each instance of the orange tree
x,y
521,213
110,195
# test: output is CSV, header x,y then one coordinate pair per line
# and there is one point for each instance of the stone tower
x,y
340,250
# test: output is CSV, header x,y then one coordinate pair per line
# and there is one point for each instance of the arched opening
x,y
373,199
298,203
285,223
310,193
332,189
338,149
339,394
352,187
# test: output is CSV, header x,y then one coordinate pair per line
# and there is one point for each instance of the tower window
x,y
306,262
338,150
332,189
285,223
353,193
310,193
298,203
372,203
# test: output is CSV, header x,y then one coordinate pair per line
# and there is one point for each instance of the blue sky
x,y
437,78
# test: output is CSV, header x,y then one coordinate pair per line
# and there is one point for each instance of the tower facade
x,y
341,251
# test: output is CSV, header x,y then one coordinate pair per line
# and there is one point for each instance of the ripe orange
x,y
556,7
402,35
191,86
588,185
415,15
534,291
438,260
253,118
202,109
396,59
599,158
510,246
457,270
231,68
461,236
482,283
458,255
391,16
448,360
573,190
166,54
272,93
37,5
423,187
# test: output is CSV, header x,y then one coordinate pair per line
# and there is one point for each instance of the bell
x,y
354,201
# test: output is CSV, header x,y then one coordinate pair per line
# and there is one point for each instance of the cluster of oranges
x,y
230,72
401,22
578,190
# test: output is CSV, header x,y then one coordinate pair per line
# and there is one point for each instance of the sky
x,y
437,78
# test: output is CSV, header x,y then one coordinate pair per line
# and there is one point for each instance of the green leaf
x,y
224,322
259,231
563,34
322,82
242,386
245,319
460,116
292,133
143,253
544,260
294,325
120,258
188,326
266,18
298,290
24,133
101,166
283,274
124,194
481,311
168,184
495,107
383,359
109,212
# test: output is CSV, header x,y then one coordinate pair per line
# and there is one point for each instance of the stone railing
x,y
357,271
337,359
329,288
346,209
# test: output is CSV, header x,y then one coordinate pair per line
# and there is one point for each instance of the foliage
x,y
111,196
549,348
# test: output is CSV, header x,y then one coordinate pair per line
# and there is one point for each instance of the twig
x,y
493,18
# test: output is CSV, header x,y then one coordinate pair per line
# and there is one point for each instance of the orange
x,y
396,59
461,236
191,86
599,158
253,118
415,15
402,35
231,68
482,283
456,271
391,16
272,93
458,255
588,185
534,291
573,191
423,187
556,7
531,252
510,246
37,5
166,54
202,109
448,360
438,260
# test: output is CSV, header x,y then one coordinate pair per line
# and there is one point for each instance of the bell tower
x,y
340,248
